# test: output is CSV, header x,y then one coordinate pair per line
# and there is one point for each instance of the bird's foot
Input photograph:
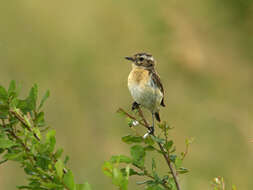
x,y
151,130
135,105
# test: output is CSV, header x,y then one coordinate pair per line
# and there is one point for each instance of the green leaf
x,y
6,143
2,150
39,120
189,141
119,179
12,89
178,162
154,187
129,139
66,160
164,126
116,176
59,166
168,145
43,161
13,102
130,122
58,153
131,172
23,187
29,170
32,98
23,106
3,94
138,155
153,165
4,111
149,148
45,97
16,156
50,140
145,182
158,140
107,169
182,170
120,159
51,185
85,186
173,157
149,140
68,180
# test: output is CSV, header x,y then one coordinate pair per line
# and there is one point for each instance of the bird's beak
x,y
130,59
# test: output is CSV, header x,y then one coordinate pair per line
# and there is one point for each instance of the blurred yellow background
x,y
76,49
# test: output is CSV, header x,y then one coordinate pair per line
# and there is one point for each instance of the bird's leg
x,y
151,128
135,105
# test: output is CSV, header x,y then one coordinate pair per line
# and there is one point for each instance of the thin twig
x,y
134,118
143,118
22,120
185,152
20,141
166,157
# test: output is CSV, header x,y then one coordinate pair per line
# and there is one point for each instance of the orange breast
x,y
138,76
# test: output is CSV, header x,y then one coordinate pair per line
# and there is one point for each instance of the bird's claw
x,y
135,105
151,130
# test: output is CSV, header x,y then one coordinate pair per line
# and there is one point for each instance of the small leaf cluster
x,y
25,138
121,167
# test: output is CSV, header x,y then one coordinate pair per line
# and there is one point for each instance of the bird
x,y
145,85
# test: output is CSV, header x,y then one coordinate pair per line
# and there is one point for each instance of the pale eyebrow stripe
x,y
151,58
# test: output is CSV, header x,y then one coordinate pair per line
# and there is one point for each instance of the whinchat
x,y
145,85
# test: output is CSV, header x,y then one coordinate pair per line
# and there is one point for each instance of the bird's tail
x,y
157,116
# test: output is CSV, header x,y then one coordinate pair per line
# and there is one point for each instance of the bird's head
x,y
143,60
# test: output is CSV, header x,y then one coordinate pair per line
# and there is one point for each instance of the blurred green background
x,y
77,48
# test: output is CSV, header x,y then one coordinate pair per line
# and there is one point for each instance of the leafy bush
x,y
141,146
25,138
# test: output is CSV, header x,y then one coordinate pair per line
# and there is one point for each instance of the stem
x,y
145,124
166,157
185,152
142,116
19,140
22,120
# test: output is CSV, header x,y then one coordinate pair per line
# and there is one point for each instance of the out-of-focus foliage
x,y
77,48
22,140
219,184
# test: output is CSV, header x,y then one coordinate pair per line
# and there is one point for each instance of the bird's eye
x,y
141,59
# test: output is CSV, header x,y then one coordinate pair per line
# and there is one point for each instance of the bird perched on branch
x,y
145,85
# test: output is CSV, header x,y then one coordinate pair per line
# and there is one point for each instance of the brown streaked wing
x,y
156,79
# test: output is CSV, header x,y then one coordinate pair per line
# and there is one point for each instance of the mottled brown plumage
x,y
156,79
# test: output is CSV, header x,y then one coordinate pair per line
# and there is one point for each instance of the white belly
x,y
147,95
